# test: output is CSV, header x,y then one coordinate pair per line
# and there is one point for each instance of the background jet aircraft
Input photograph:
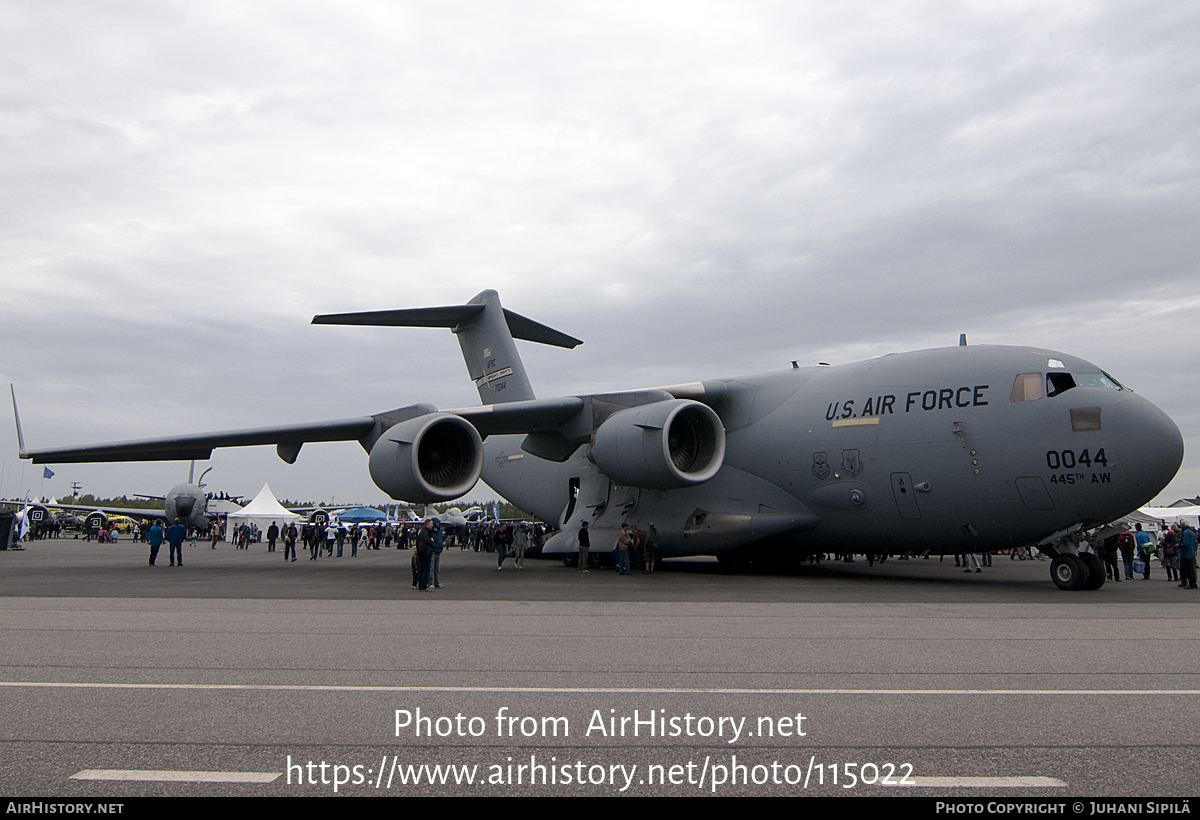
x,y
455,516
185,503
953,450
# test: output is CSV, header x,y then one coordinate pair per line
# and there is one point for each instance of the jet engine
x,y
434,457
39,515
94,521
665,445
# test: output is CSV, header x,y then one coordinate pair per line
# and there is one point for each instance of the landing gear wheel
x,y
1069,572
570,559
1095,569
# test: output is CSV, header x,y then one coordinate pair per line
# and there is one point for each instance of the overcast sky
x,y
694,189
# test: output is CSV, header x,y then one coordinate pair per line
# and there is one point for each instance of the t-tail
x,y
485,333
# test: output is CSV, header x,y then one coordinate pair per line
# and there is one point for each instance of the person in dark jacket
x,y
175,535
155,538
424,554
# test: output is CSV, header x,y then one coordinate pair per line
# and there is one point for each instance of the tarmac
x,y
241,674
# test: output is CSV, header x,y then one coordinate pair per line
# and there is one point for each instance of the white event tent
x,y
264,509
1153,515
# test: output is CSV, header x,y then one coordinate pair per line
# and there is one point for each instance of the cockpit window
x,y
1028,386
1032,386
1097,380
1057,383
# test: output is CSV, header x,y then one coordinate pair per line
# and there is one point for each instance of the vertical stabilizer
x,y
491,354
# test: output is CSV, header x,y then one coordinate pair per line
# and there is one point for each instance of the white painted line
x,y
570,690
176,777
981,783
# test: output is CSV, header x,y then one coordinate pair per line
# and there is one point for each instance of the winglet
x,y
21,451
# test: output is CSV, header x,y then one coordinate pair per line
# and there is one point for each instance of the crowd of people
x,y
635,551
1123,552
1174,548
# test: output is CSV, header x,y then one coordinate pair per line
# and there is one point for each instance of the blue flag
x,y
47,472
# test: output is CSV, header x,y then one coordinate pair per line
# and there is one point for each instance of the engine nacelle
x,y
95,521
39,516
665,445
434,457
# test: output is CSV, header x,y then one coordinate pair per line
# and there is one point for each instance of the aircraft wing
x,y
200,446
514,417
532,416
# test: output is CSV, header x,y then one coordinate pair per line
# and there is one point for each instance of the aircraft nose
x,y
1151,445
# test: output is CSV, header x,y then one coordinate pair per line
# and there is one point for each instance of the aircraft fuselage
x,y
931,450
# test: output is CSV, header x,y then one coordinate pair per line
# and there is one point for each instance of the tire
x,y
570,559
1095,567
1068,572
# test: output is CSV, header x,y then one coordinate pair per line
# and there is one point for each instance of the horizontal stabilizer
x,y
452,316
531,331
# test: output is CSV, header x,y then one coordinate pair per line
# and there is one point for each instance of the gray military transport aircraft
x,y
952,450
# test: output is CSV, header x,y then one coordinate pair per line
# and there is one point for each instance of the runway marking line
x,y
176,777
981,783
571,690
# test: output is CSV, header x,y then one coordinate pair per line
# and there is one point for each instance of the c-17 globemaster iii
x,y
954,450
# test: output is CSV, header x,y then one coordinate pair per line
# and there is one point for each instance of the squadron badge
x,y
820,466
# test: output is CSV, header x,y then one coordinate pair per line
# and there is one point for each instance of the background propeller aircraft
x,y
951,450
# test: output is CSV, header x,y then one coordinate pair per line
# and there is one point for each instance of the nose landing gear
x,y
1072,571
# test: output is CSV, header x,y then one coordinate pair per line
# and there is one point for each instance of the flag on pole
x,y
47,472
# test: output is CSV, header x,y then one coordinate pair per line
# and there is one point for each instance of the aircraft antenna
x,y
962,340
